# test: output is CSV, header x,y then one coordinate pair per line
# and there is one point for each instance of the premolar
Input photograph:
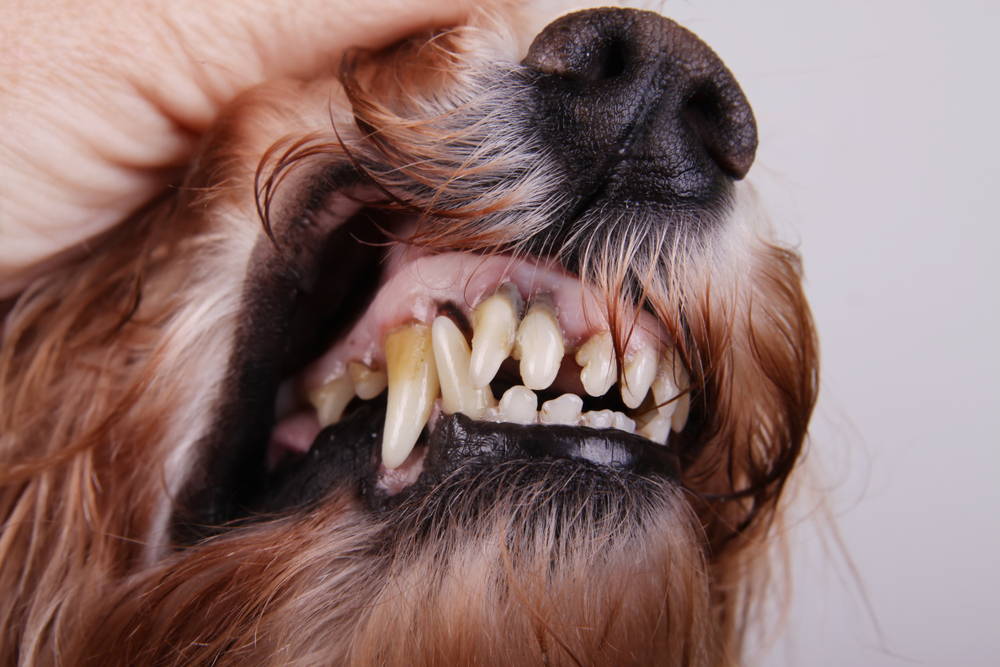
x,y
599,370
331,399
494,326
539,346
638,376
451,357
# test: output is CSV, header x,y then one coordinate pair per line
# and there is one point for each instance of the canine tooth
x,y
451,356
680,418
494,325
640,370
656,429
331,399
519,405
413,388
596,358
539,346
562,410
622,423
368,382
598,419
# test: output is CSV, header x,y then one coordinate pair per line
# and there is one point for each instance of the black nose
x,y
639,109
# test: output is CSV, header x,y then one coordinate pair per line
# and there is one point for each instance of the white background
x,y
879,126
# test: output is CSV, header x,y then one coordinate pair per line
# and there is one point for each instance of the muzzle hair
x,y
149,516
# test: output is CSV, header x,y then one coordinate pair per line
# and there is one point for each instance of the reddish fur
x,y
95,358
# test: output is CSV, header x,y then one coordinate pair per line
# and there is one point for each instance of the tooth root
x,y
563,410
656,429
680,417
368,382
640,370
596,357
413,388
494,325
539,346
331,399
451,356
519,405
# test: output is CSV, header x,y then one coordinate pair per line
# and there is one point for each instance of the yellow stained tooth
x,y
640,370
413,388
368,383
519,405
494,325
451,357
596,358
539,346
331,399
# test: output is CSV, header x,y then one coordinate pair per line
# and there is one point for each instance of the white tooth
x,y
596,358
539,346
368,382
562,410
494,325
519,405
671,380
413,388
640,370
656,429
623,423
331,399
598,419
451,355
680,417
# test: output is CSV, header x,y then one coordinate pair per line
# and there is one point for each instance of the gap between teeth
x,y
425,362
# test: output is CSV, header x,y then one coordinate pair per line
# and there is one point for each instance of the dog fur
x,y
112,366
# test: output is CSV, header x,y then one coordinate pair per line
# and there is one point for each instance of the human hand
x,y
102,100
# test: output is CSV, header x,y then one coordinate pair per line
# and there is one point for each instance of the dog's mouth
x,y
389,367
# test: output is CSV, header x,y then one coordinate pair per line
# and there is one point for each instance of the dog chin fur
x,y
112,367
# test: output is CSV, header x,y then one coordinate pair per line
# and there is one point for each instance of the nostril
x,y
607,61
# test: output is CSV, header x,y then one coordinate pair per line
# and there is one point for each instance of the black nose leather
x,y
639,109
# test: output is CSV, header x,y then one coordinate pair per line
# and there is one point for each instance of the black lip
x,y
346,455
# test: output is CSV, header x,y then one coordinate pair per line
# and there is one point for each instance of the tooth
x,y
562,410
622,423
519,405
451,355
413,388
368,382
539,346
656,429
494,324
640,370
596,358
680,417
671,380
598,419
331,399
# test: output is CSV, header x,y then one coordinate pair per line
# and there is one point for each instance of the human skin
x,y
102,100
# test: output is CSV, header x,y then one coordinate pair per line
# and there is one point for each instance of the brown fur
x,y
109,365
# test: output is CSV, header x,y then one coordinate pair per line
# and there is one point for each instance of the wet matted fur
x,y
115,369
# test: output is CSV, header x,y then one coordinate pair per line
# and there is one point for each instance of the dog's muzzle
x,y
393,373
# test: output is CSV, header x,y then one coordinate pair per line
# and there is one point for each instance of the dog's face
x,y
475,353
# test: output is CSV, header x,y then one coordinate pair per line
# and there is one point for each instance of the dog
x,y
477,351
